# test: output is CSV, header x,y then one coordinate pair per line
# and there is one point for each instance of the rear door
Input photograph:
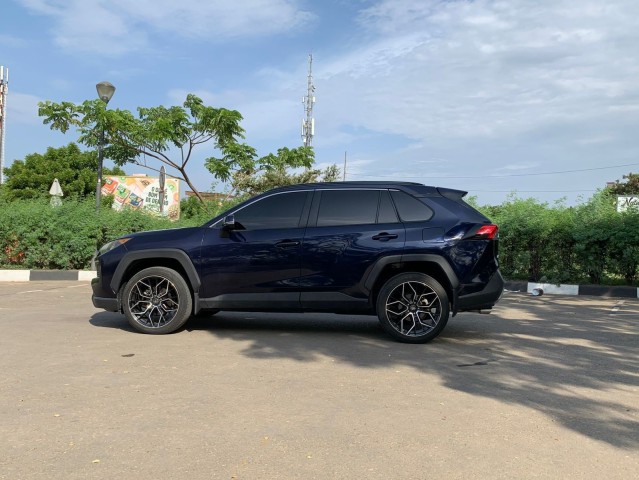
x,y
348,231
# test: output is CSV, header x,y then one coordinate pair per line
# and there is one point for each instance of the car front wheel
x,y
413,307
157,300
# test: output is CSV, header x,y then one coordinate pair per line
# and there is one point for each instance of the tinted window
x,y
348,207
387,212
277,211
410,209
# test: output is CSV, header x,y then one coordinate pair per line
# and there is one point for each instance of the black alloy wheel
x,y
157,300
413,307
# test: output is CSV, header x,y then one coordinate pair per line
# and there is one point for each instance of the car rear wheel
x,y
413,307
157,300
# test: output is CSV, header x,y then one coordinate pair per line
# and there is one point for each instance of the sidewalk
x,y
547,288
593,290
40,275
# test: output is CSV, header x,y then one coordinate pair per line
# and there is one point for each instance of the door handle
x,y
384,236
287,244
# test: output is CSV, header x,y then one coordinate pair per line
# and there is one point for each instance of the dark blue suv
x,y
409,253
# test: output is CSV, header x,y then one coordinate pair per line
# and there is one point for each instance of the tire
x,y
157,300
413,307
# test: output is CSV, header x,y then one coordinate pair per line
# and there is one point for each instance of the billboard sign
x,y
143,193
626,202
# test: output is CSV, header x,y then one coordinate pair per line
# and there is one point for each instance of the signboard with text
x,y
143,193
626,202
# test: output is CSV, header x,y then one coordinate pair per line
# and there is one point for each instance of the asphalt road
x,y
545,387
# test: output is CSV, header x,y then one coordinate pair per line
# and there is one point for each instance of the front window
x,y
281,210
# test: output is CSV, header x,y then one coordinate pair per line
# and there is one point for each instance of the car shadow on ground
x,y
111,320
550,354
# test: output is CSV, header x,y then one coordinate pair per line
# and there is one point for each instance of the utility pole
x,y
344,178
4,89
308,124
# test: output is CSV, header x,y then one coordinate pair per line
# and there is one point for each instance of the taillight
x,y
487,232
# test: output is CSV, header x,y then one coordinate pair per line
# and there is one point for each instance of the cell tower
x,y
4,88
308,124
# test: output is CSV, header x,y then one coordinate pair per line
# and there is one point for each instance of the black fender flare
x,y
173,253
380,264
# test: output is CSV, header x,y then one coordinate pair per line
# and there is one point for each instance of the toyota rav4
x,y
409,253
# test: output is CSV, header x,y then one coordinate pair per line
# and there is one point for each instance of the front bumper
x,y
110,304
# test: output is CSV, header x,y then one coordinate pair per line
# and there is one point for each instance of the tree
x,y
168,135
280,177
249,174
33,176
629,187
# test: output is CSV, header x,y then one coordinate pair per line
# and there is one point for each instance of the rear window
x,y
409,208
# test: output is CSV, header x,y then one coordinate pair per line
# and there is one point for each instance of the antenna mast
x,y
4,88
308,124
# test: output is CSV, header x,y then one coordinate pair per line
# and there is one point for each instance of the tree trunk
x,y
188,182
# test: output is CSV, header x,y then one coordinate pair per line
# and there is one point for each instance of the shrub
x,y
35,235
538,242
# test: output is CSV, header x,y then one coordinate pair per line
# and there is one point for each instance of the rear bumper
x,y
484,299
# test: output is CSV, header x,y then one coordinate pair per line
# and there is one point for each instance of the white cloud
x,y
265,117
597,139
484,68
217,18
22,108
470,87
518,167
114,27
12,41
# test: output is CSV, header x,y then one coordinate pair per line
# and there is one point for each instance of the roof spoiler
x,y
451,193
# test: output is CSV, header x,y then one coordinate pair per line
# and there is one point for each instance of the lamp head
x,y
105,91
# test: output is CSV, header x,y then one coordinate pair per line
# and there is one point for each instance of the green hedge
x,y
34,235
538,242
589,243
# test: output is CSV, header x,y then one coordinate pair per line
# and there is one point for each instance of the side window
x,y
387,212
409,208
347,207
277,211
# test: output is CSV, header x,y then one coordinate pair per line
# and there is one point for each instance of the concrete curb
x,y
40,275
592,290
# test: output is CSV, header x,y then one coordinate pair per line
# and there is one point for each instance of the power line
x,y
559,172
516,190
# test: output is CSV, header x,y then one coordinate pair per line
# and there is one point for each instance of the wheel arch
x,y
432,265
175,259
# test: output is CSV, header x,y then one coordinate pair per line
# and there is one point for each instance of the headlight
x,y
111,245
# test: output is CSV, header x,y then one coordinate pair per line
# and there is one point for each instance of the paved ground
x,y
544,387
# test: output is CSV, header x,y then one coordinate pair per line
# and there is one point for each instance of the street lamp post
x,y
105,92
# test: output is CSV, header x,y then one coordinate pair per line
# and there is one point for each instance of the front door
x,y
256,264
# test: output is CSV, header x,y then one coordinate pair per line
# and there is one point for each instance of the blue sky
x,y
481,95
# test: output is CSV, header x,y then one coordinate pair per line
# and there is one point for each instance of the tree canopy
x,y
630,185
166,134
74,169
249,174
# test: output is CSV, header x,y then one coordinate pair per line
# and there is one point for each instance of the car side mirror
x,y
229,223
